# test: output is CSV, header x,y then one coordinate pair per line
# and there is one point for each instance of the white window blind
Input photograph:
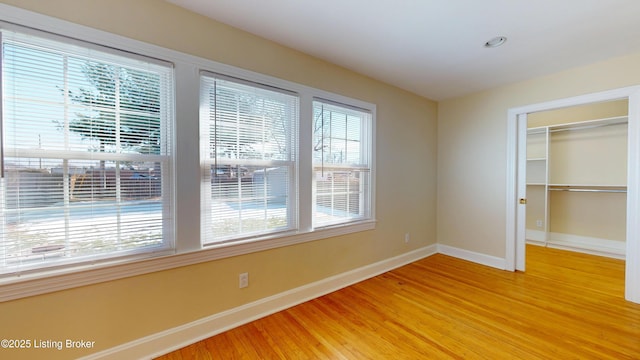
x,y
85,153
249,159
342,141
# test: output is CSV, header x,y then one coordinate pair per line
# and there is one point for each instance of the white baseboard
x,y
535,236
588,245
536,243
483,259
178,337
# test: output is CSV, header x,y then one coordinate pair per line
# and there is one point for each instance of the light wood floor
x,y
566,306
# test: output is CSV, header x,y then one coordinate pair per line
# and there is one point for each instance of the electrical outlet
x,y
243,280
539,223
406,238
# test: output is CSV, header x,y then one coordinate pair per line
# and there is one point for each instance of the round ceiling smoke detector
x,y
495,42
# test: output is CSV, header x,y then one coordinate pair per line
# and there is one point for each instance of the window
x,y
249,159
86,155
341,163
89,142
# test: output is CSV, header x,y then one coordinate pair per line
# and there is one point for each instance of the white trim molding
x,y
515,240
483,259
588,245
535,236
172,339
585,244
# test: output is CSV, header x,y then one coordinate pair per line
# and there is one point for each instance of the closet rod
x,y
591,190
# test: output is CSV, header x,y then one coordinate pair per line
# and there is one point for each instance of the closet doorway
x,y
577,178
573,174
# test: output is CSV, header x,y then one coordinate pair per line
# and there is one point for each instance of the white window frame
x,y
186,137
69,48
364,166
208,160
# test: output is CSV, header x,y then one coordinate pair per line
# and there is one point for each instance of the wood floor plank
x,y
565,306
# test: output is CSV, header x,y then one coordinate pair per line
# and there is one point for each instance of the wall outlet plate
x,y
243,280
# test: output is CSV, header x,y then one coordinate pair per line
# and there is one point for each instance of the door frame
x,y
516,180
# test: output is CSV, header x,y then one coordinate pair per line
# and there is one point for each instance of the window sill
x,y
22,286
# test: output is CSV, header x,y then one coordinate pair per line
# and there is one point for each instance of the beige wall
x,y
472,149
120,311
536,207
595,215
596,156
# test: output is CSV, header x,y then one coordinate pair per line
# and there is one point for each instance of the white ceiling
x,y
435,48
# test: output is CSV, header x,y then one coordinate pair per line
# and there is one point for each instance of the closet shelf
x,y
588,124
